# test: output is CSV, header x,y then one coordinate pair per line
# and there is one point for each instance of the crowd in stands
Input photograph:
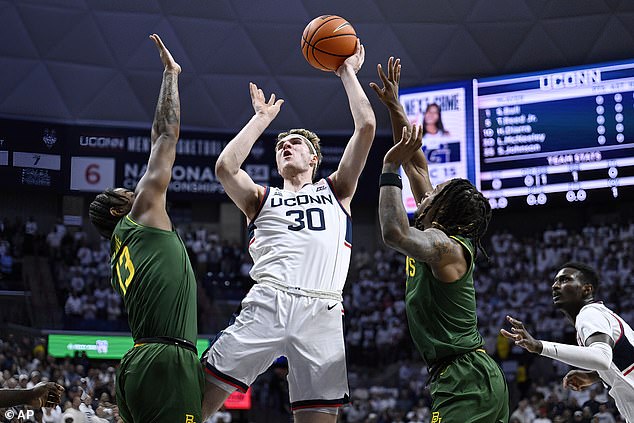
x,y
516,281
89,385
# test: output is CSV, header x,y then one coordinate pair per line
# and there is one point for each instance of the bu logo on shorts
x,y
435,417
189,418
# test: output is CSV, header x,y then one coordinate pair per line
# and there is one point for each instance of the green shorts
x,y
472,388
160,383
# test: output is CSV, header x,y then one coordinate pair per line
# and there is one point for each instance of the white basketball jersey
x,y
301,241
595,318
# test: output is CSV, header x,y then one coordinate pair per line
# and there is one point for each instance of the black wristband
x,y
390,179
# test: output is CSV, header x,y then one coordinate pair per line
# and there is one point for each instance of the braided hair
x,y
459,209
99,211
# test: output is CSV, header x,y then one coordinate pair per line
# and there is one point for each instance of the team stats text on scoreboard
x,y
552,137
557,136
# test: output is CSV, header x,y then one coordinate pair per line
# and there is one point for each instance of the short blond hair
x,y
310,136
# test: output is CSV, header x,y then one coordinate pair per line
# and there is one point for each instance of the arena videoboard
x,y
563,135
551,137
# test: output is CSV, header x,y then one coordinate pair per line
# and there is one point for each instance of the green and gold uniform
x,y
159,380
466,384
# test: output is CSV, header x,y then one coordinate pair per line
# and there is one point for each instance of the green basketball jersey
x,y
442,316
152,272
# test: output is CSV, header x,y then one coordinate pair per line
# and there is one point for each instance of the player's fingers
x,y
361,55
393,69
507,334
514,322
390,69
156,39
419,134
379,69
376,89
252,89
404,134
279,102
161,46
413,133
271,99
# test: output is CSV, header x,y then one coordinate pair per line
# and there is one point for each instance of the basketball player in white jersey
x,y
300,241
606,342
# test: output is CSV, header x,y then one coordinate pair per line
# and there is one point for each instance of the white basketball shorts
x,y
274,323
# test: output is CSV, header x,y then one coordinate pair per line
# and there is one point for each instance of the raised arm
x,y
595,355
432,246
238,185
151,191
346,176
416,168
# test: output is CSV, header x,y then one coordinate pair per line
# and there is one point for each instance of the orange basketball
x,y
327,41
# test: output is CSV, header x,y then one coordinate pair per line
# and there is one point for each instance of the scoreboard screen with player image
x,y
563,136
446,115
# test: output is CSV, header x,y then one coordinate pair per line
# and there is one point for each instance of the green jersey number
x,y
126,264
410,266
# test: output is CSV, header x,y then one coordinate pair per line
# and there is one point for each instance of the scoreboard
x,y
557,136
552,137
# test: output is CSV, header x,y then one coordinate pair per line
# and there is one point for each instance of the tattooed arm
x,y
149,204
444,255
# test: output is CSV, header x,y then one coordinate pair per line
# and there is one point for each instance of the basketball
x,y
327,41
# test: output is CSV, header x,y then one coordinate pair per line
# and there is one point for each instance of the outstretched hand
x,y
46,394
166,57
388,94
353,62
521,336
411,141
268,109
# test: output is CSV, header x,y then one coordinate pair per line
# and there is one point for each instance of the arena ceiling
x,y
90,61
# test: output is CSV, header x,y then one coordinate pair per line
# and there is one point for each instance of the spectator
x,y
603,416
524,412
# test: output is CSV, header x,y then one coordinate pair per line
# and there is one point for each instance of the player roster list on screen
x,y
556,136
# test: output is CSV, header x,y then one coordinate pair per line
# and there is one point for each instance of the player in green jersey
x,y
466,385
161,378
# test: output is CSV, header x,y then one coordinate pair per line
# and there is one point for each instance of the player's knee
x,y
214,396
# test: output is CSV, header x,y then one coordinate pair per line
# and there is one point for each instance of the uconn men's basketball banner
x,y
72,159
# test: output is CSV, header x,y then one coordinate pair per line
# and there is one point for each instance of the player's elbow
x,y
223,169
603,363
367,124
602,353
392,236
365,121
165,133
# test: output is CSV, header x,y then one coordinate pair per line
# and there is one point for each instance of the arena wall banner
x,y
71,159
98,346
